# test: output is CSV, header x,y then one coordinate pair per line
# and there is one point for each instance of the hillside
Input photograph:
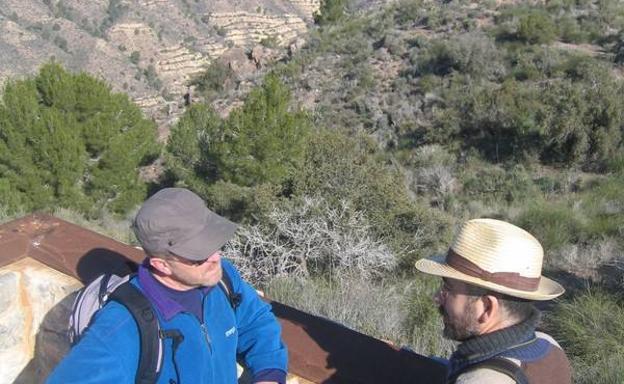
x,y
510,110
149,48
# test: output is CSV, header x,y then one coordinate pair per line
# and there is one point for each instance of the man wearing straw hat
x,y
491,277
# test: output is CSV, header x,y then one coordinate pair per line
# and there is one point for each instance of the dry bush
x,y
7,214
118,228
399,311
309,237
437,179
587,260
433,170
372,308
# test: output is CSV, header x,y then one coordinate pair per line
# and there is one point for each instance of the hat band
x,y
508,279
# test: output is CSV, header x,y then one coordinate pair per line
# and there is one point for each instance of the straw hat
x,y
498,256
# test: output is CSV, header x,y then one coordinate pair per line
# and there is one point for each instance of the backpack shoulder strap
x,y
499,364
226,285
88,301
150,353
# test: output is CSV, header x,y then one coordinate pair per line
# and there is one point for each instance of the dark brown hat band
x,y
507,279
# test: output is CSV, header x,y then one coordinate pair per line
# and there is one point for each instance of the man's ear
x,y
160,265
490,309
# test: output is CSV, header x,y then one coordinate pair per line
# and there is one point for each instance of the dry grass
x,y
108,224
398,311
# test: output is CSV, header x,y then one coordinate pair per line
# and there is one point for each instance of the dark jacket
x,y
539,356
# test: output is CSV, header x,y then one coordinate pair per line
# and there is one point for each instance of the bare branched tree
x,y
307,238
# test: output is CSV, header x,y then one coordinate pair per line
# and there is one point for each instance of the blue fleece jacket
x,y
108,352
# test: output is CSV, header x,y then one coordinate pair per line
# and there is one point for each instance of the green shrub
x,y
61,42
534,62
330,11
500,121
472,54
582,122
531,25
439,59
494,184
590,328
555,225
338,167
270,42
570,31
410,12
263,142
536,27
68,141
603,207
135,57
574,118
116,9
217,78
152,77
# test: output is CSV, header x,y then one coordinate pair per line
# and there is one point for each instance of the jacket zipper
x,y
204,329
204,326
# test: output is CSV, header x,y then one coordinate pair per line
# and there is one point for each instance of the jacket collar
x,y
485,346
157,294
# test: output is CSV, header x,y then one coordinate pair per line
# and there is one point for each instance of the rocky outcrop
x,y
33,303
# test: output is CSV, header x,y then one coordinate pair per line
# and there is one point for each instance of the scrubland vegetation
x,y
426,115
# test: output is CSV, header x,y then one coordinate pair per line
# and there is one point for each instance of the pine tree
x,y
262,142
67,140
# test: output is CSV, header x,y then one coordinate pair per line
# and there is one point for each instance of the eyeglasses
x,y
449,286
181,260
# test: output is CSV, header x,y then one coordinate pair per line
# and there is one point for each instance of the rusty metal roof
x,y
320,350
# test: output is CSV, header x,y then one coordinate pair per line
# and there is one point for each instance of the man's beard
x,y
461,328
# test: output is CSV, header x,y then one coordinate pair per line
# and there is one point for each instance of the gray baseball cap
x,y
176,220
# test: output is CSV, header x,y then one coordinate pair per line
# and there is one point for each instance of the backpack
x,y
109,287
499,364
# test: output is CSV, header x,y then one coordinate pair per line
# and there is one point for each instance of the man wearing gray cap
x,y
182,239
491,275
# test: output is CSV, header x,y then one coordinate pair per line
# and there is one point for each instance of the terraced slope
x,y
150,48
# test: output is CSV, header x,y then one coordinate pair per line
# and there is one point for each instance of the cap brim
x,y
216,232
547,290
